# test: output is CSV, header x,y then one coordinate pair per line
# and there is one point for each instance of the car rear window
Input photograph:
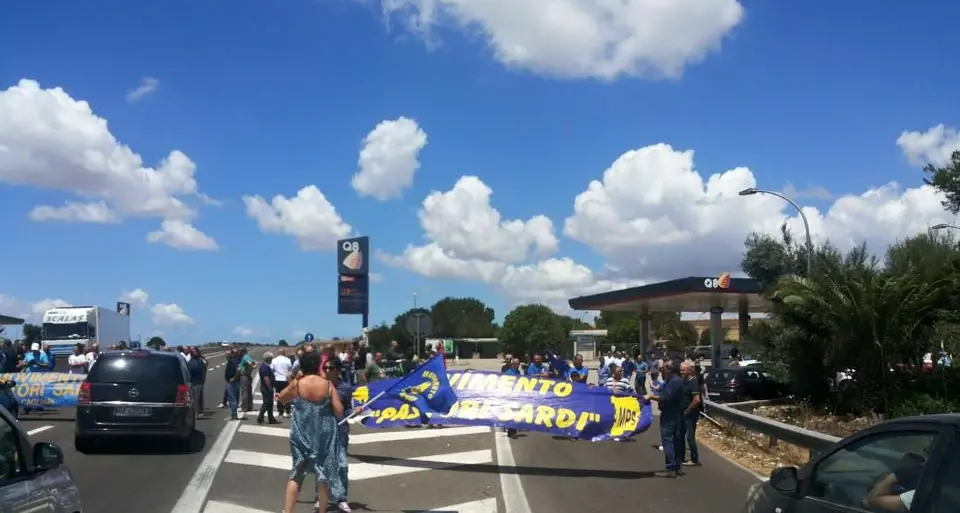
x,y
138,369
721,375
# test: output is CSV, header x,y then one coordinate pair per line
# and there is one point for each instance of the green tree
x,y
530,329
398,330
380,336
156,343
462,317
283,343
767,258
946,179
623,329
31,333
705,340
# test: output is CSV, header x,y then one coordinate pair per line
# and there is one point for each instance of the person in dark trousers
x,y
267,380
231,373
671,415
198,375
513,370
692,404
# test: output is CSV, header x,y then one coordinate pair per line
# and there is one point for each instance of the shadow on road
x,y
519,470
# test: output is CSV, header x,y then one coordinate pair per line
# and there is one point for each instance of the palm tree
x,y
861,316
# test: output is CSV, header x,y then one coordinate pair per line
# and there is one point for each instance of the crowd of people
x,y
675,384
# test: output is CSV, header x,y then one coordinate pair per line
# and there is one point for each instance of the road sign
x,y
419,324
308,337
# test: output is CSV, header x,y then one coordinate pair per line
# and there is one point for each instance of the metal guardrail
x,y
776,430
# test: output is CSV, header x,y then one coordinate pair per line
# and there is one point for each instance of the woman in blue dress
x,y
314,435
333,370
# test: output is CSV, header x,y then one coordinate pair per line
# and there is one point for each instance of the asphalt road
x,y
242,467
147,478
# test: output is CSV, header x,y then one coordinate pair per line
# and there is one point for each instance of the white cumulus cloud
x,y
161,314
138,298
933,146
30,311
651,216
50,140
582,38
169,314
308,217
389,159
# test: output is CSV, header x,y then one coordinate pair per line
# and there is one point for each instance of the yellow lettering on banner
x,y
565,418
525,414
626,415
507,413
485,382
525,384
585,418
453,379
545,416
563,389
507,382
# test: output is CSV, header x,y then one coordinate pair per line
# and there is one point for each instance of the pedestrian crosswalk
x,y
449,470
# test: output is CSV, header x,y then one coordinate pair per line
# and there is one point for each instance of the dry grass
x,y
758,453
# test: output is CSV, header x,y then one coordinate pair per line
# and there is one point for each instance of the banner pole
x,y
355,413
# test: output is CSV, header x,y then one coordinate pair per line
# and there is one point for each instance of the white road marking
x,y
191,500
481,506
373,438
209,368
40,429
362,471
514,497
196,491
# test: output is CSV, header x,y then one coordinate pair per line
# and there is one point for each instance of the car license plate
x,y
132,411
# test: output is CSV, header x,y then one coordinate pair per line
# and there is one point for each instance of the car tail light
x,y
84,396
183,395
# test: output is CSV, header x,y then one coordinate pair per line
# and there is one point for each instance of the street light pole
x,y
806,224
944,226
416,343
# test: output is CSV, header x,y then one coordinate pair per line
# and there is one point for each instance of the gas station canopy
x,y
6,320
692,294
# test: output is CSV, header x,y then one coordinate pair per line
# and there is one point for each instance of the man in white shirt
x,y
281,366
92,355
616,383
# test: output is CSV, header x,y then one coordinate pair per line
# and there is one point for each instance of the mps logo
x,y
720,282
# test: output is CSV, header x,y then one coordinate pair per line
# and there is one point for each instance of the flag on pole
x,y
427,388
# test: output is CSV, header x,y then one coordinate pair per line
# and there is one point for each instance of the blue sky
x,y
827,101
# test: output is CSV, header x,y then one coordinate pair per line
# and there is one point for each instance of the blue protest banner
x,y
45,389
519,402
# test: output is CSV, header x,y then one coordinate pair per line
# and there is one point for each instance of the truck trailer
x,y
67,326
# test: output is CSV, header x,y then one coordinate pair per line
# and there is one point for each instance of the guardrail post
x,y
771,443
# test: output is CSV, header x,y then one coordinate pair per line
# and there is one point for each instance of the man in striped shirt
x,y
616,383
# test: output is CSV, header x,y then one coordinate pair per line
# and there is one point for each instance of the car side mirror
x,y
785,480
47,456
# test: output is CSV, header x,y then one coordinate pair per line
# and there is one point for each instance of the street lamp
x,y
944,226
806,224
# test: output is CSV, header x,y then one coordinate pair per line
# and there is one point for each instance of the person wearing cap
x,y
35,360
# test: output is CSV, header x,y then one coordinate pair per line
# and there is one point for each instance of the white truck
x,y
67,326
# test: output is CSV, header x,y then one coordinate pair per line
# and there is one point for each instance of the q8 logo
x,y
351,246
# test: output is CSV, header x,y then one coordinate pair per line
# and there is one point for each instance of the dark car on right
x,y
139,394
905,465
734,384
